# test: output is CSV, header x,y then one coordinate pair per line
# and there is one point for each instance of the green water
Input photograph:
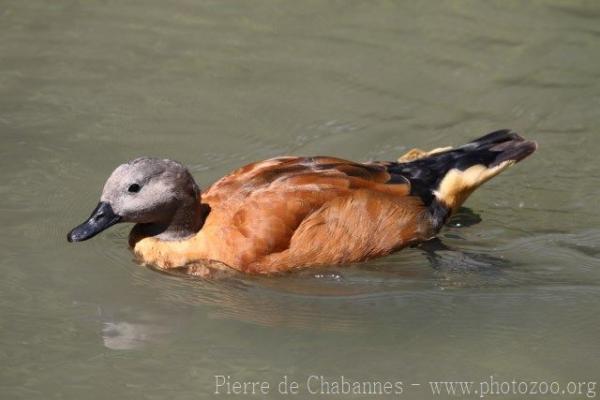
x,y
86,85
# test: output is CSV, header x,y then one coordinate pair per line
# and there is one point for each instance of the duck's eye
x,y
134,188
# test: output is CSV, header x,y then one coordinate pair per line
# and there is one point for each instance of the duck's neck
x,y
186,221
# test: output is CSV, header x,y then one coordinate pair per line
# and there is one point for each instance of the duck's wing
x,y
299,173
296,206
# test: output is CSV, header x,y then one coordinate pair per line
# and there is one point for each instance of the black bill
x,y
102,217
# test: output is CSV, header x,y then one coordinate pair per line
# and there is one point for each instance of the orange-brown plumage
x,y
291,212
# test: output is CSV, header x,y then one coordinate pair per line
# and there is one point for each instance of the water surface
x,y
85,85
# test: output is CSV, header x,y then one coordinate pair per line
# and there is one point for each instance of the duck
x,y
290,212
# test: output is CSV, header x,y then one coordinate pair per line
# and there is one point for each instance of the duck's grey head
x,y
145,190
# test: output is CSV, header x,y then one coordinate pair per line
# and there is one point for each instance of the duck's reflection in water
x,y
346,299
123,335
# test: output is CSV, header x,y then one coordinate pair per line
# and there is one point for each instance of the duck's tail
x,y
445,177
